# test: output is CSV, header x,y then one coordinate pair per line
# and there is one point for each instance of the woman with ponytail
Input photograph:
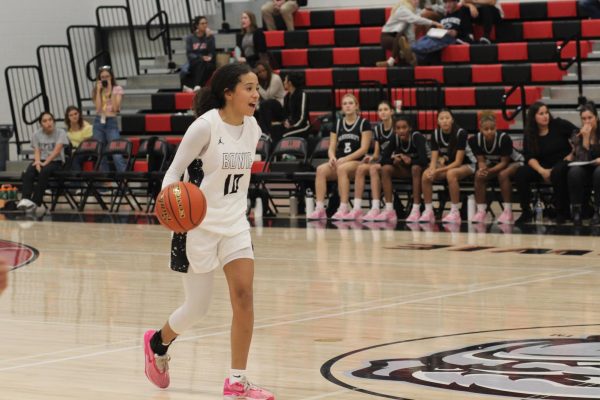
x,y
216,154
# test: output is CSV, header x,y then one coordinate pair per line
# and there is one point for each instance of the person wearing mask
x,y
285,8
547,152
250,41
201,55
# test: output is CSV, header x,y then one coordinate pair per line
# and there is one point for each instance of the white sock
x,y
389,206
237,375
357,204
428,207
481,207
320,205
343,206
507,206
416,207
454,207
376,204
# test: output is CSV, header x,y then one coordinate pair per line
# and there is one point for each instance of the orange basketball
x,y
180,207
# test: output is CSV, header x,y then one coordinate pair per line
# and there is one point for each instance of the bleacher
x,y
334,48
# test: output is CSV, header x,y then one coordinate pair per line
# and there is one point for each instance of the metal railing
x,y
119,38
576,59
520,109
87,52
26,103
57,67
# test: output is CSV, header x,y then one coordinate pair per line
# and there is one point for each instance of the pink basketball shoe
x,y
319,213
341,214
354,215
414,216
387,216
453,217
245,390
506,217
157,367
371,215
427,217
479,217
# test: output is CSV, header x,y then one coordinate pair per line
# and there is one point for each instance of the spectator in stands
x,y
585,168
295,107
78,130
591,7
201,55
371,164
496,159
546,148
285,8
49,155
107,96
458,25
251,41
348,144
431,9
451,160
489,15
398,34
271,93
408,158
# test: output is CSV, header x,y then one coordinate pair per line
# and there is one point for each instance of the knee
x,y
416,170
242,299
374,171
451,176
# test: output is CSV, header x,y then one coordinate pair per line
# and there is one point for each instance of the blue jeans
x,y
427,45
591,7
106,133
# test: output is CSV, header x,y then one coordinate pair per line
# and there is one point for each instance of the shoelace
x,y
162,362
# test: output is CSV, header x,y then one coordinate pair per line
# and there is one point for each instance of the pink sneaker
x,y
370,216
354,215
245,390
387,216
479,217
414,216
506,217
452,218
427,217
341,214
319,213
157,367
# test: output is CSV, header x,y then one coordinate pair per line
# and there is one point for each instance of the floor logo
x,y
16,254
557,368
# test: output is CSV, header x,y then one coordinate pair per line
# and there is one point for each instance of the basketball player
x,y
3,276
496,158
216,153
452,160
409,157
347,146
371,165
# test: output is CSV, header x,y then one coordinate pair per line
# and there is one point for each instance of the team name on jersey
x,y
349,136
237,160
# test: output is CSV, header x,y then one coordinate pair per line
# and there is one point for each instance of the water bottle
x,y
470,207
293,206
309,200
539,212
258,208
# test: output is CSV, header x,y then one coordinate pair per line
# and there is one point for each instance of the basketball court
x,y
344,311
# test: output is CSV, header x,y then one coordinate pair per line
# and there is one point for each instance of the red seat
x,y
135,144
183,101
373,74
426,120
511,10
538,30
460,97
501,122
302,19
562,8
140,166
346,56
370,116
546,72
456,53
275,39
347,17
590,28
388,12
571,49
174,139
370,35
321,37
294,57
313,115
512,51
339,93
487,73
408,97
87,166
319,77
158,122
435,72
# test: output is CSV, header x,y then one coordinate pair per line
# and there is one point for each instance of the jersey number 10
x,y
232,183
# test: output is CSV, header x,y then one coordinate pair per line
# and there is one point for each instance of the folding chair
x,y
160,159
139,175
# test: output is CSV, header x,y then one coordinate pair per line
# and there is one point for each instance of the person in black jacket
x,y
585,168
295,109
201,54
546,150
251,41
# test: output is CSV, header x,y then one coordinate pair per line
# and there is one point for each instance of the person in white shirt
x,y
285,8
272,93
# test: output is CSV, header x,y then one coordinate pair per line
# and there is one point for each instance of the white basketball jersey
x,y
227,164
